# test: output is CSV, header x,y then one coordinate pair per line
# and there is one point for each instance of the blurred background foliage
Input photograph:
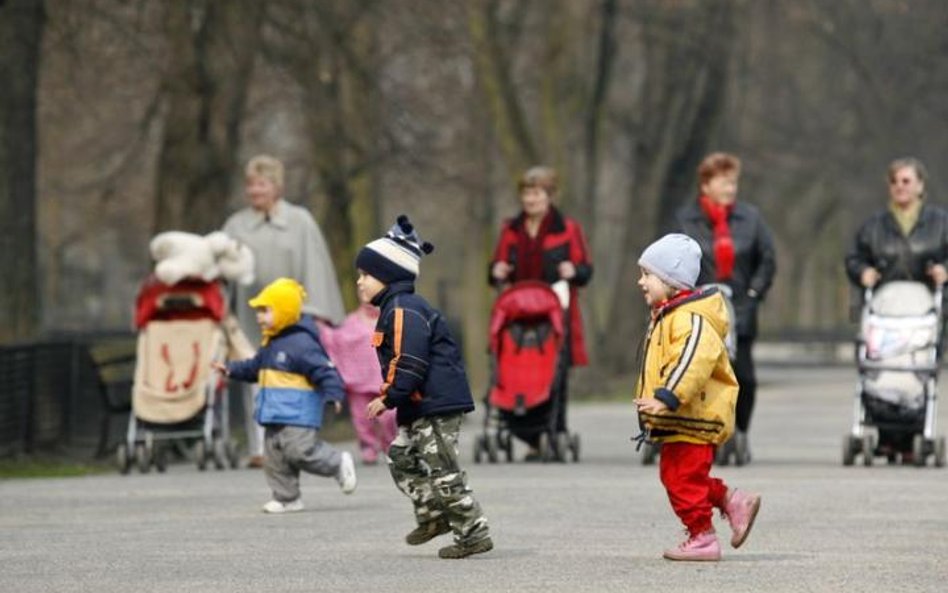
x,y
122,118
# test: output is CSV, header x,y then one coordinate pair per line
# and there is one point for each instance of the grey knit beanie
x,y
675,258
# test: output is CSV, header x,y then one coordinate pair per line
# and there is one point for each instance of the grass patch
x,y
50,468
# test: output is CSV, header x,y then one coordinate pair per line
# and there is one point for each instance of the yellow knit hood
x,y
285,297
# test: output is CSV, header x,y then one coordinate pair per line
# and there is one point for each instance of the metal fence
x,y
50,396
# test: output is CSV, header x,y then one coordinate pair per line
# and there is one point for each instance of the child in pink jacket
x,y
350,348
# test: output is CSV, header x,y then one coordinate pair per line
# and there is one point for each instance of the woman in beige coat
x,y
286,242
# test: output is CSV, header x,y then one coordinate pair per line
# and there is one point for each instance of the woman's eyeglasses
x,y
901,181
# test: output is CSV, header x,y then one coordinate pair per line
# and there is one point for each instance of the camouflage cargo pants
x,y
424,463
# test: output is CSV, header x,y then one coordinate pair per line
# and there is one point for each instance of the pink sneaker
x,y
741,510
701,547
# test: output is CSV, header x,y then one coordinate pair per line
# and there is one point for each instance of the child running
x,y
686,396
425,382
296,378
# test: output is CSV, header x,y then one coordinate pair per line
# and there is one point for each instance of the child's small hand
x,y
219,367
375,408
650,405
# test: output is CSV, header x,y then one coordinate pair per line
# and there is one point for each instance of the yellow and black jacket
x,y
686,366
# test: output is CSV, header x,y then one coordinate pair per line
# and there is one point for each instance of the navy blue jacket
x,y
421,365
295,376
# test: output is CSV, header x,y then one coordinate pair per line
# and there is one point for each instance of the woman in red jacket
x,y
543,244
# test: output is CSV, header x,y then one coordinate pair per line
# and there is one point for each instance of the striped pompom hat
x,y
396,256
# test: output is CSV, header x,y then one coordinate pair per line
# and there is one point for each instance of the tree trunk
x,y
213,44
21,29
685,87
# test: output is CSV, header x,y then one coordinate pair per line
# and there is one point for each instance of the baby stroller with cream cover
x,y
176,394
183,326
897,354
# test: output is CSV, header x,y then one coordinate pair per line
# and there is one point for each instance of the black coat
x,y
421,364
755,260
880,244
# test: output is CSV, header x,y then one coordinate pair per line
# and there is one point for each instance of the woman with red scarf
x,y
543,244
738,251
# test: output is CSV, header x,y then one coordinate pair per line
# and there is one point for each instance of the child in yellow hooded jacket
x,y
686,395
296,379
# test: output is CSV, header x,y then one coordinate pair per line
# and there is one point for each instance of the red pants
x,y
686,474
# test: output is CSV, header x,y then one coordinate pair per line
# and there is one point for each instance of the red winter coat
x,y
560,239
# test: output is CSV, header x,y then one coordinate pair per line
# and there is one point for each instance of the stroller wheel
x,y
849,450
490,445
508,447
123,458
868,450
160,456
545,447
940,452
200,454
142,458
562,447
918,450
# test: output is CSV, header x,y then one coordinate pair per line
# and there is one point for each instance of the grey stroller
x,y
897,354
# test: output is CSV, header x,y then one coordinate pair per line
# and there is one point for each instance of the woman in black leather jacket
x,y
738,251
907,240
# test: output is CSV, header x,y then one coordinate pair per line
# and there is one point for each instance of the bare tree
x,y
21,28
329,51
687,49
213,45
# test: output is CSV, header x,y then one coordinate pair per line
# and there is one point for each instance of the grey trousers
x,y
291,449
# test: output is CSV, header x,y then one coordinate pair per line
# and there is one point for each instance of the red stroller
x,y
176,394
529,361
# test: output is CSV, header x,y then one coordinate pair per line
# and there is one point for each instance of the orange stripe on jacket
x,y
399,320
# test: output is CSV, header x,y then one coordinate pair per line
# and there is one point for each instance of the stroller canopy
x,y
902,299
524,301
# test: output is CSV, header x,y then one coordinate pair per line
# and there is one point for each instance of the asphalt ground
x,y
599,525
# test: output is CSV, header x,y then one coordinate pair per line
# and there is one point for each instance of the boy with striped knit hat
x,y
425,382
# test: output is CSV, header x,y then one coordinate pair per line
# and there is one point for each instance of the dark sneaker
x,y
427,532
465,550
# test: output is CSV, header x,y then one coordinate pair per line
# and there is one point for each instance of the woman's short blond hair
x,y
266,166
540,176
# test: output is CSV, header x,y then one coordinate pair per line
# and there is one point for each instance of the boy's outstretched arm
x,y
244,370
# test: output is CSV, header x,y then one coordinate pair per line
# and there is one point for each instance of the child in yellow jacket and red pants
x,y
686,395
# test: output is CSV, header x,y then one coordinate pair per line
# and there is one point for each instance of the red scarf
x,y
723,243
530,250
671,302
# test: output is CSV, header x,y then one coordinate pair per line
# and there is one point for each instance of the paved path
x,y
596,526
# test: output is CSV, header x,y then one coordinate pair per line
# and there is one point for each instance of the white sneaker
x,y
346,476
277,507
